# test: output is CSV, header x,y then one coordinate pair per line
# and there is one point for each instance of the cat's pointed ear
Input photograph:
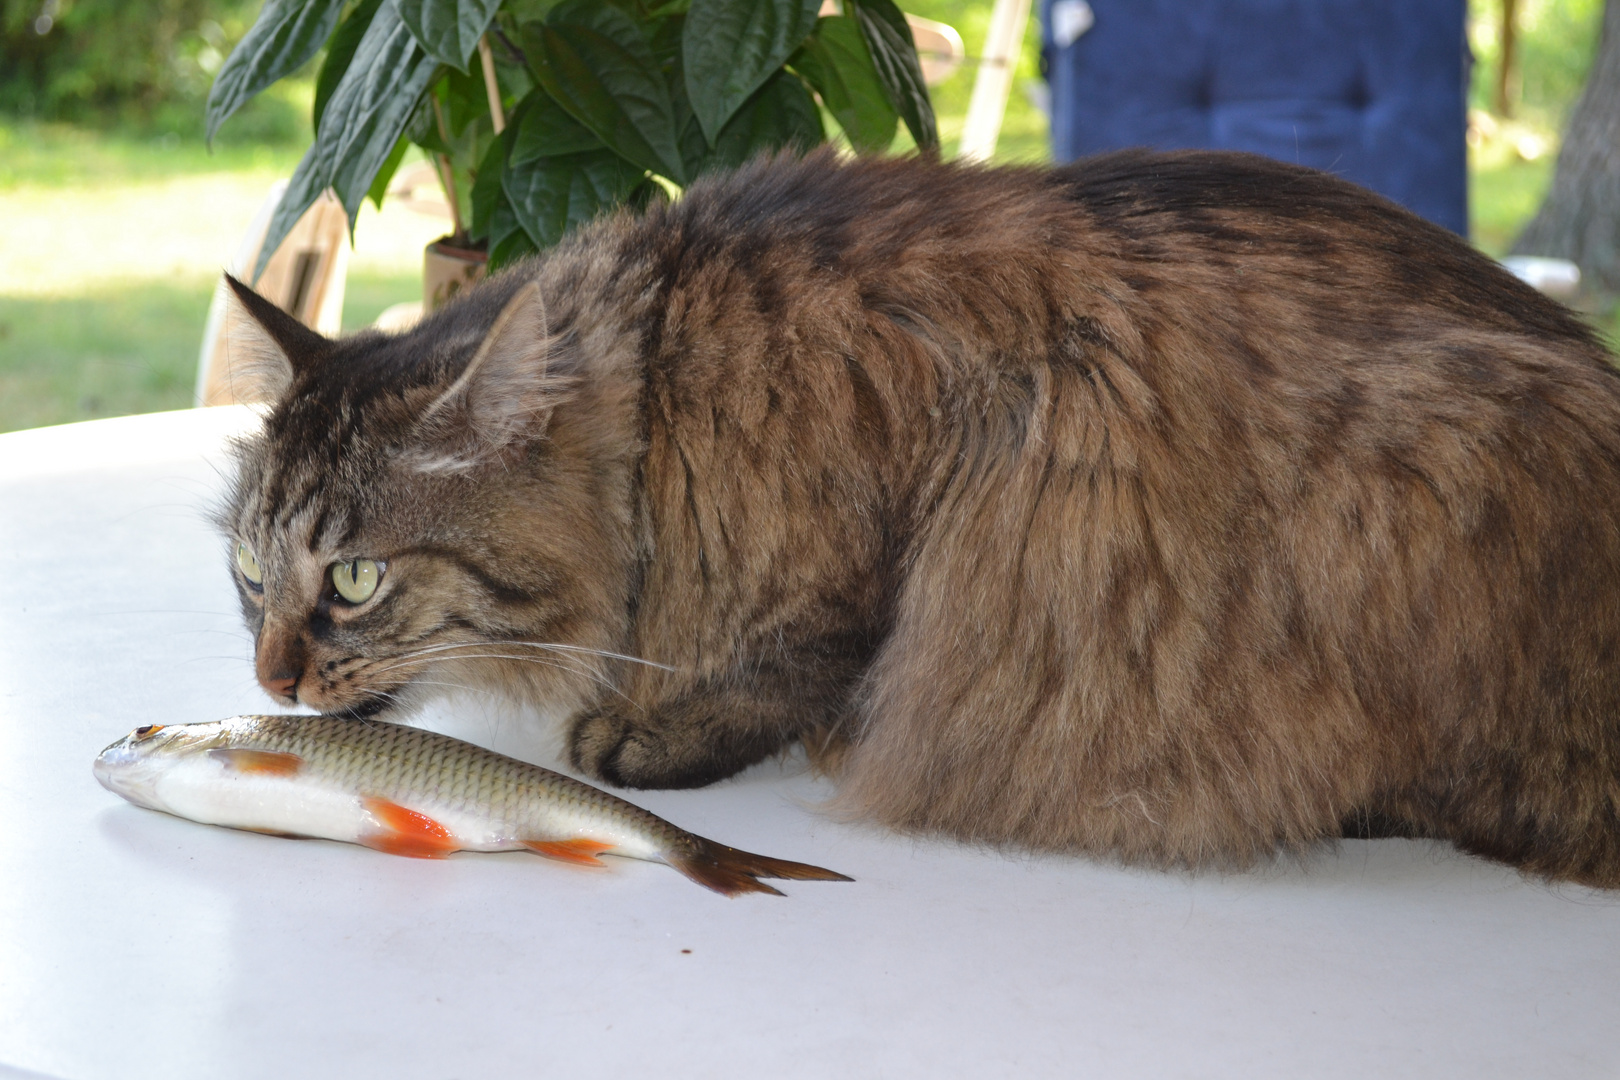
x,y
266,348
504,396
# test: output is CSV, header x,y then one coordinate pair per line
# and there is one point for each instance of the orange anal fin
x,y
582,852
264,762
405,832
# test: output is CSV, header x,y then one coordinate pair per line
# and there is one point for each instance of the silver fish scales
x,y
406,791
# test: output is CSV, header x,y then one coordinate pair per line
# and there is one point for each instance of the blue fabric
x,y
1372,90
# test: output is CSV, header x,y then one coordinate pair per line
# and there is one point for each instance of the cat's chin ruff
x,y
364,709
508,726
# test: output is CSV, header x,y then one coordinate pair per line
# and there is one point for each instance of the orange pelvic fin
x,y
405,832
584,852
266,762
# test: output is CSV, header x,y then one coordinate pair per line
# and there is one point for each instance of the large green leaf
x,y
379,183
363,120
286,34
593,60
423,128
894,55
553,195
522,11
448,30
694,145
370,107
546,130
494,222
466,102
836,62
730,47
487,192
340,53
508,242
780,115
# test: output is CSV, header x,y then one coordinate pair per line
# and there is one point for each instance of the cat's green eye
x,y
248,564
356,580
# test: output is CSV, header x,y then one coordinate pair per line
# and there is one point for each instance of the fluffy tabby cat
x,y
1180,507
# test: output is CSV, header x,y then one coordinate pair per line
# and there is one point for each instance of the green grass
x,y
129,348
1502,198
370,292
48,155
106,352
1504,191
108,260
1511,157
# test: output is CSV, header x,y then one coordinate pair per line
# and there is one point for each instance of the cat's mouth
x,y
363,709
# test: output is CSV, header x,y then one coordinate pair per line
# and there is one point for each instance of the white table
x,y
135,945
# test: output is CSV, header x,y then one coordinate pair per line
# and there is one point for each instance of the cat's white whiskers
x,y
457,686
549,645
404,659
409,658
452,646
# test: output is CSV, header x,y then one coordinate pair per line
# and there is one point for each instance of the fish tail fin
x,y
727,870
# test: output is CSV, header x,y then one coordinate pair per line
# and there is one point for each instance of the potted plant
x,y
539,114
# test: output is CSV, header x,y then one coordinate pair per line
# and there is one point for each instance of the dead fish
x,y
406,791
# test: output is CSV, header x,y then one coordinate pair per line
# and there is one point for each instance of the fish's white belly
x,y
483,833
265,803
307,805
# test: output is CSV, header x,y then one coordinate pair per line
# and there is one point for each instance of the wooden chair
x,y
306,276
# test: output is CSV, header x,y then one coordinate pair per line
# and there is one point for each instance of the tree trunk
x,y
1580,219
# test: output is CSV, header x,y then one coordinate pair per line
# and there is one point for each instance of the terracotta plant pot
x,y
447,269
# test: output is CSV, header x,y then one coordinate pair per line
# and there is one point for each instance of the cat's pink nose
x,y
278,658
282,687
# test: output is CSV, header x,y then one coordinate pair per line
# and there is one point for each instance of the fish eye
x,y
147,730
356,579
248,563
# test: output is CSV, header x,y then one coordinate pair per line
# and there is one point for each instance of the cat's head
x,y
420,510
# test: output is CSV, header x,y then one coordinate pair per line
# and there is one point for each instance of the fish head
x,y
132,766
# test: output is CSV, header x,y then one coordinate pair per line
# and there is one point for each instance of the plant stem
x,y
447,175
1504,67
491,87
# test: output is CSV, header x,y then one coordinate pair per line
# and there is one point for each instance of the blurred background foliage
x,y
118,219
1511,152
141,66
1556,43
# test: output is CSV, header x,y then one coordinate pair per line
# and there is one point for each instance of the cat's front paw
x,y
612,748
594,745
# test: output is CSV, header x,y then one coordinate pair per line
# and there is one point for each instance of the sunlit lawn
x,y
112,245
109,256
1504,191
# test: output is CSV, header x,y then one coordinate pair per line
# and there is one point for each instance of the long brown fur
x,y
1181,508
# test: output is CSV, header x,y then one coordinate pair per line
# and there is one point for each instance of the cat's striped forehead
x,y
313,475
300,504
311,479
288,501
